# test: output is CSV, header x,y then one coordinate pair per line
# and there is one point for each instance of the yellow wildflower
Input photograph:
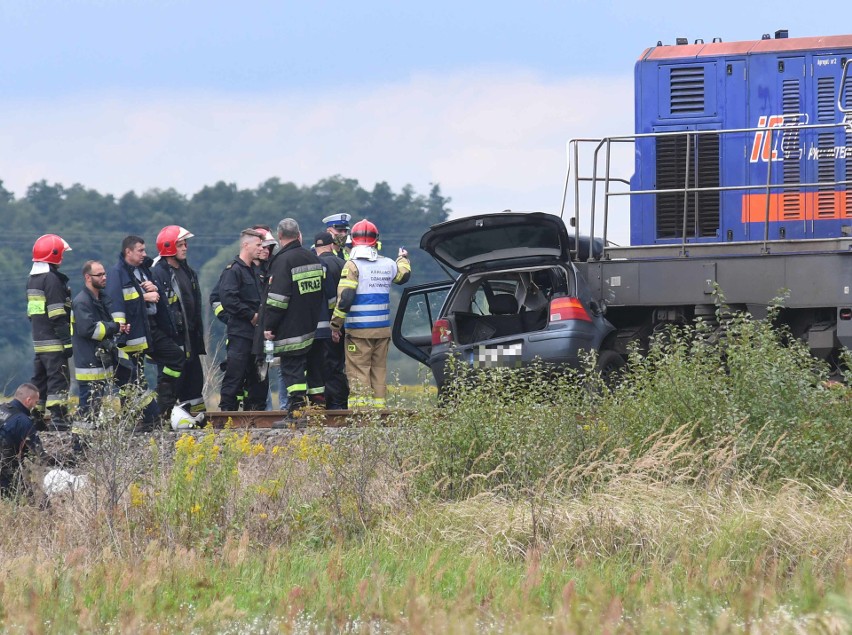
x,y
137,496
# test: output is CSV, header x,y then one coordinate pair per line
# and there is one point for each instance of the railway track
x,y
312,417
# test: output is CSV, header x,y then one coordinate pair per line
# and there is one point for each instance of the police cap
x,y
338,221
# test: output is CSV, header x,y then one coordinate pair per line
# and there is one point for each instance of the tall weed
x,y
739,381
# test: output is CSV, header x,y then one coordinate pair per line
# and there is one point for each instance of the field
x,y
705,492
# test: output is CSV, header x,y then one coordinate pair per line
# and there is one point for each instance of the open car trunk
x,y
500,304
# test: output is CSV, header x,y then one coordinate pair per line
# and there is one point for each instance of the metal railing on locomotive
x,y
605,145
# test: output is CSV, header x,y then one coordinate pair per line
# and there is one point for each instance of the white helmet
x,y
182,420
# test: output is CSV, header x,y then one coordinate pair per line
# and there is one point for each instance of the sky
x,y
478,97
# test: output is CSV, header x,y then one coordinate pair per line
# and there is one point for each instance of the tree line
x,y
94,225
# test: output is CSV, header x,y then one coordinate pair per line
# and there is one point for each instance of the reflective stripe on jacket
x,y
128,306
239,293
92,324
191,340
49,311
294,299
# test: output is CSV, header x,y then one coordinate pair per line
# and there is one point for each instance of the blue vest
x,y
371,306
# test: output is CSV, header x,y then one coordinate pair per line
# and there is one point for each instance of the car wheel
x,y
609,365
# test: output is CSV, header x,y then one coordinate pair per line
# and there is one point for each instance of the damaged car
x,y
516,298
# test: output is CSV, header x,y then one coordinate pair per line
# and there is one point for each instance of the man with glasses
x,y
93,332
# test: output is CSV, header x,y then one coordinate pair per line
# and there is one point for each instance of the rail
x,y
311,418
602,157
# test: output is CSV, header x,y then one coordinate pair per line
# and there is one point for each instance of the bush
x,y
744,384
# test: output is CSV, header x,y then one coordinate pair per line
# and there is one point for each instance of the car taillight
x,y
441,333
562,309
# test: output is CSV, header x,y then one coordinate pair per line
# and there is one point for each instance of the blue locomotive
x,y
743,141
741,182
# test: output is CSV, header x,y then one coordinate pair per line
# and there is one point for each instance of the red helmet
x,y
49,248
168,238
365,233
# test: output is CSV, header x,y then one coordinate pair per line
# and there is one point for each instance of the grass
x,y
520,507
647,550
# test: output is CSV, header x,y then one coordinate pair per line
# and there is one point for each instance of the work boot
x,y
295,413
166,399
290,421
146,425
318,401
59,421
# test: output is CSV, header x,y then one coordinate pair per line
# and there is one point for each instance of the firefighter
x,y
138,302
292,310
326,361
18,437
49,311
261,263
264,255
94,331
338,226
363,306
179,281
240,288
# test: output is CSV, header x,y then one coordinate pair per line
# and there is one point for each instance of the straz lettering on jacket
x,y
307,278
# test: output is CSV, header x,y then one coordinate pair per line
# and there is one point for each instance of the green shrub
x,y
743,383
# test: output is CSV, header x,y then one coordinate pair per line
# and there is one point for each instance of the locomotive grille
x,y
825,100
686,90
702,207
825,174
792,171
825,144
847,103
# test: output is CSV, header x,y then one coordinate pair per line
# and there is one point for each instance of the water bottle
x,y
269,349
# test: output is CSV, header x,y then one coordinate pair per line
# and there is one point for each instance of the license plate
x,y
495,355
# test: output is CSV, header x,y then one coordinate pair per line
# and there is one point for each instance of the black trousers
x,y
329,361
241,375
314,375
91,396
190,385
50,376
294,373
169,357
163,351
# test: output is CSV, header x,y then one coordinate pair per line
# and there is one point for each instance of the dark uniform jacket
x,y
128,306
93,327
190,328
49,310
216,304
294,299
17,431
332,266
240,292
216,297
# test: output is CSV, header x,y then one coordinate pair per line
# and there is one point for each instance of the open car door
x,y
418,309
